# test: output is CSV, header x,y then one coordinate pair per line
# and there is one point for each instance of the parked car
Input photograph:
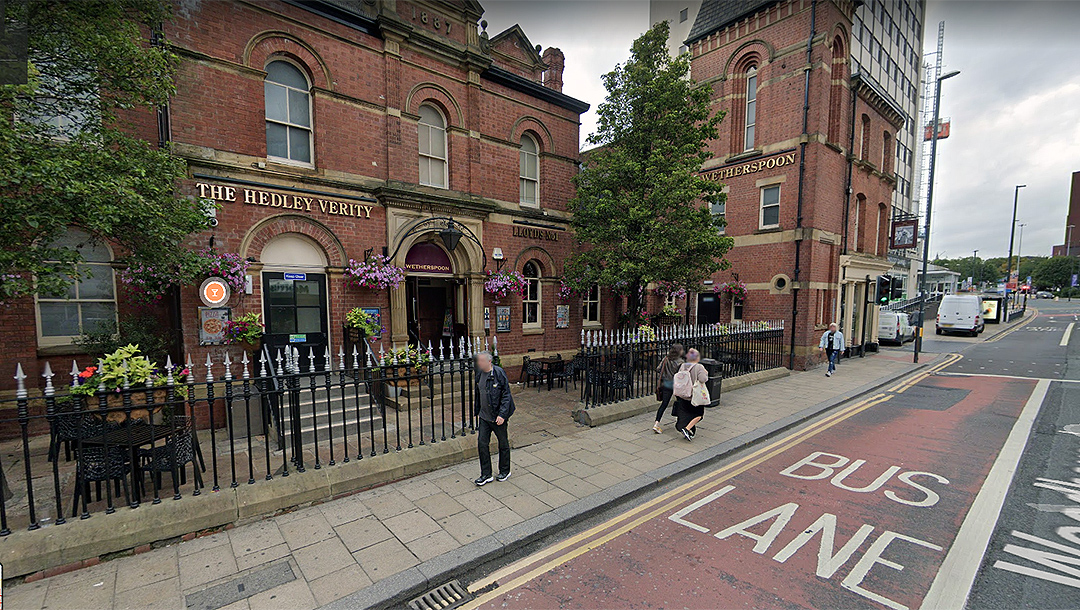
x,y
895,327
1042,294
960,313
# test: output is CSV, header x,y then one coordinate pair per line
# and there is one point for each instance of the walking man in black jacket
x,y
494,405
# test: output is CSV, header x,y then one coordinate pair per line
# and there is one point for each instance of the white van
x,y
960,313
894,326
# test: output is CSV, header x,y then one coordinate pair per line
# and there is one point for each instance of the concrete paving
x,y
317,554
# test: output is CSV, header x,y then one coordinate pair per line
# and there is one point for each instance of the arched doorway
x,y
294,294
436,299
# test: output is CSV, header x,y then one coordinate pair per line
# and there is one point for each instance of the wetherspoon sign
x,y
270,199
749,168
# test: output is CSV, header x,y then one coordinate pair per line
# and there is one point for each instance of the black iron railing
x,y
229,422
622,365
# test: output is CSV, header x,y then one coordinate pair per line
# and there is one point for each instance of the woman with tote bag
x,y
664,391
692,394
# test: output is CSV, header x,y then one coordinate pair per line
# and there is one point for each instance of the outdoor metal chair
x,y
174,456
533,370
524,366
95,464
70,427
567,374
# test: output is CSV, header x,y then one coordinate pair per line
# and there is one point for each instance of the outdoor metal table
x,y
549,366
135,435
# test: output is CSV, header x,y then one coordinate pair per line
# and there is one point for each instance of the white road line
x,y
953,583
1068,333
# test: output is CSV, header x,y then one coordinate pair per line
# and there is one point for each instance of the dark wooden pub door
x,y
295,306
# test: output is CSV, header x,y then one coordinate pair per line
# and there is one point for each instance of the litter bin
x,y
715,377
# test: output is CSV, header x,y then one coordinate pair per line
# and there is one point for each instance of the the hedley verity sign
x,y
271,199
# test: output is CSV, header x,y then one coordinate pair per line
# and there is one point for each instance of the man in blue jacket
x,y
494,405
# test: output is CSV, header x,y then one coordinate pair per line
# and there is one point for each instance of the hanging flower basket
x,y
245,331
502,283
376,273
732,290
669,289
565,292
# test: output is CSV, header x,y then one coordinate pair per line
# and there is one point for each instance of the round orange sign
x,y
214,291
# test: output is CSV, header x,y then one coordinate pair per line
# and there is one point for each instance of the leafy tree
x,y
1055,272
639,208
68,156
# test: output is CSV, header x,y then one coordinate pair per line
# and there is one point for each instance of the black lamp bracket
x,y
436,224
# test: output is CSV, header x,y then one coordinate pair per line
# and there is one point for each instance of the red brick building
x,y
805,155
328,130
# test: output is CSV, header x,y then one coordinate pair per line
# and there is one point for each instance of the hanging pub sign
x,y
903,234
427,258
214,292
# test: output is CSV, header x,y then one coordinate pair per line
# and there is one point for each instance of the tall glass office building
x,y
886,48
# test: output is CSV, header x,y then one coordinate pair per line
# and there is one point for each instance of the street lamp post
x,y
1019,249
974,263
1012,233
929,203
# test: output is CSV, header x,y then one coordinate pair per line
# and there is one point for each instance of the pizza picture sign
x,y
214,292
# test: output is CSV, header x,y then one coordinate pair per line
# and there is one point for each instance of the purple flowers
x,y
503,283
376,272
732,290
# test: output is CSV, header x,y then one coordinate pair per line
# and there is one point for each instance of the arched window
x,y
836,91
89,304
881,231
887,152
751,108
529,163
530,316
860,203
288,113
431,131
864,136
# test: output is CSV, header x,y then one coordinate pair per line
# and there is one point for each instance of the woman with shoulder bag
x,y
691,394
667,369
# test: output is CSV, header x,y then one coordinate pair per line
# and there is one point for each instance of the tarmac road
x,y
889,502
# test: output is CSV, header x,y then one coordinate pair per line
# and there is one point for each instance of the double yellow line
x,y
527,569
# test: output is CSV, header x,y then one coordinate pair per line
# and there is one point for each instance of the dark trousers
x,y
665,397
483,440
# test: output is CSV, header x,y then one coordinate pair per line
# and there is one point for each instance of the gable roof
x,y
716,14
523,42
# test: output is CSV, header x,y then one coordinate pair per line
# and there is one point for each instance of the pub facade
x,y
805,155
329,133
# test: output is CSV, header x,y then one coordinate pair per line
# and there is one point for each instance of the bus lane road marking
x,y
521,572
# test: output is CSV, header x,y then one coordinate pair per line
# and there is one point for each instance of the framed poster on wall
x,y
502,319
562,316
212,324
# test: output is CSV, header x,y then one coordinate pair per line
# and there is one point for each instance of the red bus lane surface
x,y
858,510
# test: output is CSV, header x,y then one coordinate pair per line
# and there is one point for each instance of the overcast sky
x,y
1015,107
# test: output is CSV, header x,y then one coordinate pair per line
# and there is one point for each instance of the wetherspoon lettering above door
x,y
270,199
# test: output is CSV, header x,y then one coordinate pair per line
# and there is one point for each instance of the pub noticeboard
x,y
212,324
502,319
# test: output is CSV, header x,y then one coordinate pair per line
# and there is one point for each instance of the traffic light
x,y
884,290
897,288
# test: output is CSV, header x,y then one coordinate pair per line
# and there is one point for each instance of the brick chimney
x,y
553,75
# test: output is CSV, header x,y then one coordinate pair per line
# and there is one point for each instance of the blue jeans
x,y
833,356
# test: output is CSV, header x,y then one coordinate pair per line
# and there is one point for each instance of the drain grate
x,y
450,595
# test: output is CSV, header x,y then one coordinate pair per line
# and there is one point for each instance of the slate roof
x,y
715,14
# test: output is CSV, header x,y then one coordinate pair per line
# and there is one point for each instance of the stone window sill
x,y
532,331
